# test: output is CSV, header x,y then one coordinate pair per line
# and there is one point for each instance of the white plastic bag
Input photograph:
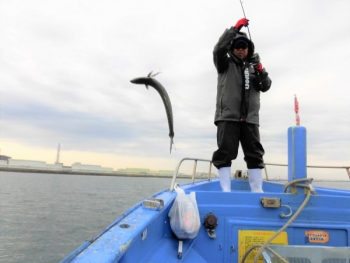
x,y
184,215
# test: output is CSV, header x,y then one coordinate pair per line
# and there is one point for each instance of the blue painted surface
x,y
296,153
328,210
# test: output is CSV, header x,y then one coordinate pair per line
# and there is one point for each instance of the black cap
x,y
240,41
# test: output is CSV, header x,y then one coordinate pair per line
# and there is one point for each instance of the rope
x,y
264,246
267,248
297,181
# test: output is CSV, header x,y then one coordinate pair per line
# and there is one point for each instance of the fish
x,y
150,81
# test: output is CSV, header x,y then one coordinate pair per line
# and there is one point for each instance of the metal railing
x,y
193,172
347,168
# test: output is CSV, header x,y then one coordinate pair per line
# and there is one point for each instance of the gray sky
x,y
66,67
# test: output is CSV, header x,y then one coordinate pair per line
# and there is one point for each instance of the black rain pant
x,y
229,134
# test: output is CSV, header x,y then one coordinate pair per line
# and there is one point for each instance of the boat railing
x,y
347,168
193,172
196,160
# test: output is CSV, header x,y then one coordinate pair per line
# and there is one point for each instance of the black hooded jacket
x,y
239,85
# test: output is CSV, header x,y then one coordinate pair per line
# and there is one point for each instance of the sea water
x,y
44,217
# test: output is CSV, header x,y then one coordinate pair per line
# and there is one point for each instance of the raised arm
x,y
223,46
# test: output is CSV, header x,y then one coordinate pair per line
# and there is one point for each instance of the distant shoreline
x,y
24,170
119,174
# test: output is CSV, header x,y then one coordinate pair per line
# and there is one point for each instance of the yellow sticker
x,y
249,238
317,236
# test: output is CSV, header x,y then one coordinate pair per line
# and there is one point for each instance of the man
x,y
241,77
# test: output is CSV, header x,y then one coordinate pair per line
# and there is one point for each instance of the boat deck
x,y
144,234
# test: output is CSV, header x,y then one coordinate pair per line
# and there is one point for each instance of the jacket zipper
x,y
241,118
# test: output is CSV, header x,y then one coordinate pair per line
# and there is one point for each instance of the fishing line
x,y
245,18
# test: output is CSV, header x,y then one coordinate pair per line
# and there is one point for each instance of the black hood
x,y
243,36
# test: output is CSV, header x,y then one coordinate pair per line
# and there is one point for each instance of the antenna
x,y
58,154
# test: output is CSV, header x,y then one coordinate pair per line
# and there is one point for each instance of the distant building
x,y
82,167
205,175
166,173
27,163
4,158
139,171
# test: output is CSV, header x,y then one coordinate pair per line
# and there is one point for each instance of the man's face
x,y
241,50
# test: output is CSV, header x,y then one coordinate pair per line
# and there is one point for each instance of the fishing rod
x,y
245,18
255,57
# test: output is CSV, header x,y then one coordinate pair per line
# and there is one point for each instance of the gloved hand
x,y
241,22
259,67
255,60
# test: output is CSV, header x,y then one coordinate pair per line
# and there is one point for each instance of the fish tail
x,y
172,143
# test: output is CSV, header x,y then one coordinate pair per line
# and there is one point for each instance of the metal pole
x,y
267,177
194,170
209,175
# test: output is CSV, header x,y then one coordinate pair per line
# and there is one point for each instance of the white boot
x,y
255,180
225,178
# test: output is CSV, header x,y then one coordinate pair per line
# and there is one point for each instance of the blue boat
x,y
288,222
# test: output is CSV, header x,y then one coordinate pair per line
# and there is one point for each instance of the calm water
x,y
44,217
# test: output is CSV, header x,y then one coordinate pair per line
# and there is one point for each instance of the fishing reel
x,y
255,59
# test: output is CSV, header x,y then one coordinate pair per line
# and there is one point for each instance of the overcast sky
x,y
66,66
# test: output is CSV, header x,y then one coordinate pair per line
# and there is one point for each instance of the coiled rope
x,y
265,245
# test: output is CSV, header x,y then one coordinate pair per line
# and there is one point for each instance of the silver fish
x,y
149,81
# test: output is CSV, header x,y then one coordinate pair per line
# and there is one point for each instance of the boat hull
x,y
143,234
